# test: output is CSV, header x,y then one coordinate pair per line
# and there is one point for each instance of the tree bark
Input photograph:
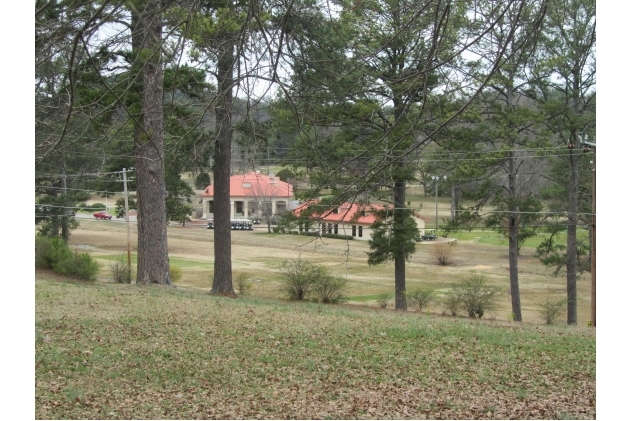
x,y
222,282
153,255
513,240
399,258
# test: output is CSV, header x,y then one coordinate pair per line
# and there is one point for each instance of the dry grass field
x,y
258,254
112,351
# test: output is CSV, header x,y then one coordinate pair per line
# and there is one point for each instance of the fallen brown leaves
x,y
155,353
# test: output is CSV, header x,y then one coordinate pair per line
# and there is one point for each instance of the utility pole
x,y
127,221
593,248
593,260
436,178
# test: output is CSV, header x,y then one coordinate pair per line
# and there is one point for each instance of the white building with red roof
x,y
250,195
349,219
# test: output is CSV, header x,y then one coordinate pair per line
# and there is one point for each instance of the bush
x,y
243,283
298,277
54,254
442,252
551,310
43,247
175,272
120,271
476,296
284,174
202,180
420,298
452,303
85,267
329,289
384,299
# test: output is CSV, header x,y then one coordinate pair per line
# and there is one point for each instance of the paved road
x,y
132,218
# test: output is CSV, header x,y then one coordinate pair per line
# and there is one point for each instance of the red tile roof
x,y
255,184
347,213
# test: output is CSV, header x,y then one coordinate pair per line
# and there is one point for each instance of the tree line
x,y
360,95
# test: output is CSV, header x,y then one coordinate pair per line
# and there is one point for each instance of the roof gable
x,y
361,214
255,184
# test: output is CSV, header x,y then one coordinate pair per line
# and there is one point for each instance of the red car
x,y
102,215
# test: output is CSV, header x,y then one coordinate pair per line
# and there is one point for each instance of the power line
x,y
81,190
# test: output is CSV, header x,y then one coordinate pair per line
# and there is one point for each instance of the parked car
x,y
428,237
102,215
211,225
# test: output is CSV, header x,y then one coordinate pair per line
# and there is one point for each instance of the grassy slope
x,y
122,351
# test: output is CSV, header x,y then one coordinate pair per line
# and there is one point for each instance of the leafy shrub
x,y
43,247
202,180
85,267
329,289
298,277
243,283
384,299
284,174
304,280
452,303
476,296
420,298
54,254
120,271
551,310
175,272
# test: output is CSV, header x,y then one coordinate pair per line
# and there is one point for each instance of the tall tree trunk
x,y
398,195
399,258
513,239
222,282
153,254
572,219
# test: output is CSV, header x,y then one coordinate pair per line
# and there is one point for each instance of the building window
x,y
354,230
210,207
329,229
360,231
335,229
239,207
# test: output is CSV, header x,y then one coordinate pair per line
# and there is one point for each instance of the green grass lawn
x,y
127,352
496,239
